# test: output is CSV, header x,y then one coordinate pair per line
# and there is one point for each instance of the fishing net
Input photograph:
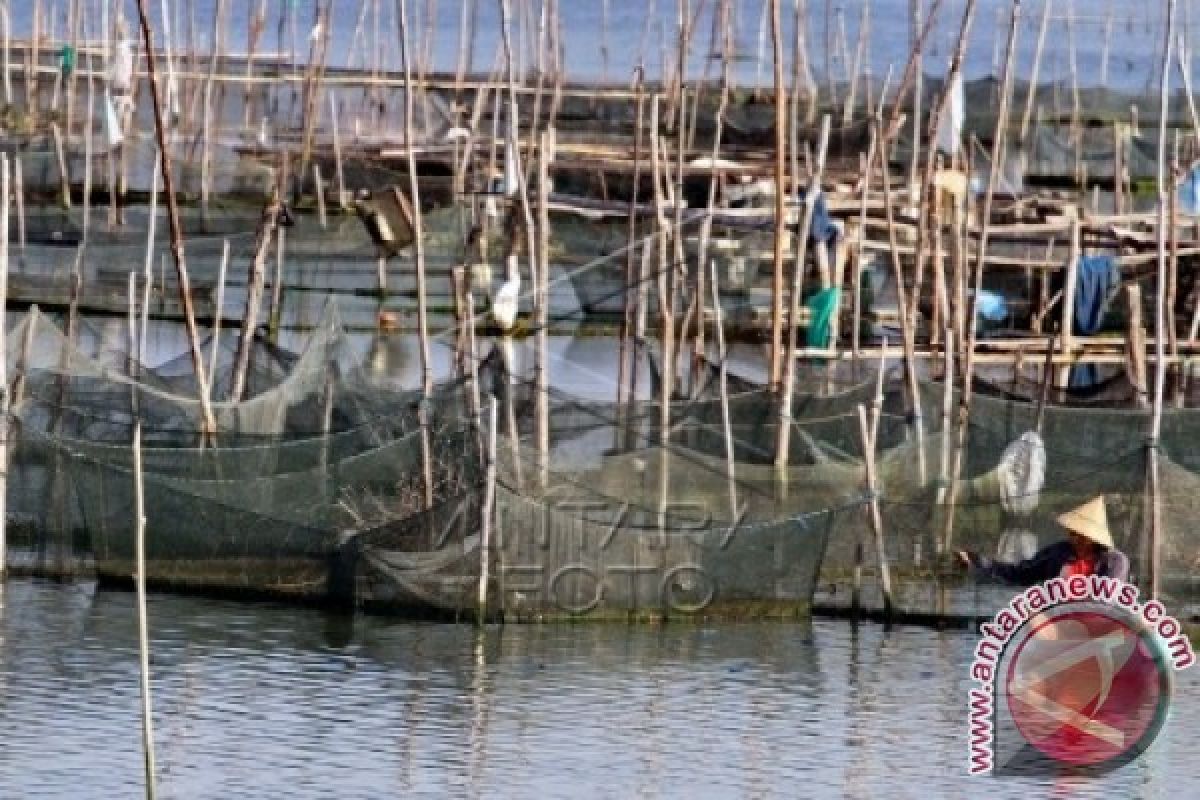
x,y
288,453
621,524
1088,452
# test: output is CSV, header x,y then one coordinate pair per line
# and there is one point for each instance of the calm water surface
x,y
257,701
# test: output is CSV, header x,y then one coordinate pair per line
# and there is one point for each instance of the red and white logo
x,y
1086,686
1073,673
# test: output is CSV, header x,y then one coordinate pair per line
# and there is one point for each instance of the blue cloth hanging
x,y
1096,282
1097,279
823,229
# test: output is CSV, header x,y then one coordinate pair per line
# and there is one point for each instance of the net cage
x,y
617,523
293,464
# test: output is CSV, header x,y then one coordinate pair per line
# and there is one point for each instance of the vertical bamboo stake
x,y
633,287
1160,365
918,46
148,264
418,243
334,124
489,505
206,155
185,288
5,397
143,623
885,574
319,189
88,153
1031,95
1172,289
864,27
713,179
540,310
216,325
666,295
801,69
777,283
1067,338
267,226
726,424
275,312
19,192
789,367
947,414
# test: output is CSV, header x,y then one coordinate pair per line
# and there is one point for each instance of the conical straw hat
x,y
1089,520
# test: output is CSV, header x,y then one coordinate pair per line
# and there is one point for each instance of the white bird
x,y
505,300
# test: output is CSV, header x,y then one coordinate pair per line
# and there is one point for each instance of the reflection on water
x,y
259,701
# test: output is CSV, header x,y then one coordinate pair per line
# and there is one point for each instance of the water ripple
x,y
260,702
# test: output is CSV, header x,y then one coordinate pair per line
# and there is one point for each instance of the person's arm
x,y
1047,563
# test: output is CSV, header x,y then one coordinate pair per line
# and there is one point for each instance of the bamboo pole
x,y
632,282
789,374
143,623
1172,288
907,322
418,244
666,295
319,190
318,52
206,155
864,27
1031,94
706,222
19,193
1160,368
5,397
947,415
268,227
918,54
723,388
1067,328
148,264
489,506
866,163
777,284
185,288
335,124
275,310
541,302
868,446
216,326
88,157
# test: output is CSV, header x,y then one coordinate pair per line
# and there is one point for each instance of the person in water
x,y
1087,550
